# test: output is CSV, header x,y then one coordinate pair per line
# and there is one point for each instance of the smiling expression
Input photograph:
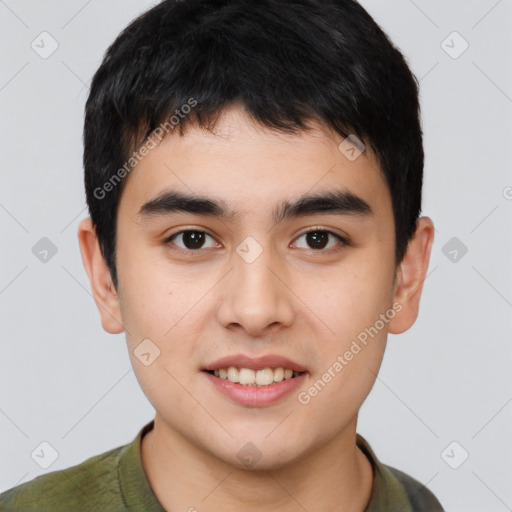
x,y
247,243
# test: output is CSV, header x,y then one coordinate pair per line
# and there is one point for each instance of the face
x,y
266,285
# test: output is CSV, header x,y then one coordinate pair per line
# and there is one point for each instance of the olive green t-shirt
x,y
115,481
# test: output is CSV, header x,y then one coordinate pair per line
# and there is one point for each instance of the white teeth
x,y
247,376
233,374
264,377
278,375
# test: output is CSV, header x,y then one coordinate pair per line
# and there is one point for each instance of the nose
x,y
256,296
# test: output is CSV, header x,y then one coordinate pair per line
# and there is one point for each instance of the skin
x,y
304,303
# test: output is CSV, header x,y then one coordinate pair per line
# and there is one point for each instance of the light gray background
x,y
67,382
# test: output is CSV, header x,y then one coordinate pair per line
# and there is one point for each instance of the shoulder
x,y
420,498
89,486
395,490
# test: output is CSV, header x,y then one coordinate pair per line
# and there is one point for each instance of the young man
x,y
253,174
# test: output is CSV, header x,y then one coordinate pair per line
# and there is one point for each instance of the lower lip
x,y
256,396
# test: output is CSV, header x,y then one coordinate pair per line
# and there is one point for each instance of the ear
x,y
103,290
411,275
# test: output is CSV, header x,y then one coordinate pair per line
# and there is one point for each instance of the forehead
x,y
248,168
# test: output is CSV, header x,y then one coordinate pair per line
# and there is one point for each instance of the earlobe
x,y
411,275
103,290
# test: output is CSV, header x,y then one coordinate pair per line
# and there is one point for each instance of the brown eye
x,y
318,239
191,240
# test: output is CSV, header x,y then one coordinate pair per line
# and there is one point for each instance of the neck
x,y
337,477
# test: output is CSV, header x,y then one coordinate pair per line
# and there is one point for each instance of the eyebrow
x,y
339,202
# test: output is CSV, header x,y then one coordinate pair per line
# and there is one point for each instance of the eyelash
x,y
344,241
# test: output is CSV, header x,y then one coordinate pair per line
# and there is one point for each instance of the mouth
x,y
258,382
255,377
242,370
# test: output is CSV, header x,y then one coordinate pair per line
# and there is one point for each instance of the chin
x,y
256,462
259,453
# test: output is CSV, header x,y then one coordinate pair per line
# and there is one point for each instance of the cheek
x,y
349,363
335,397
162,307
148,294
352,299
351,305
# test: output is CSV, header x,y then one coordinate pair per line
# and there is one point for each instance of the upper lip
x,y
255,363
